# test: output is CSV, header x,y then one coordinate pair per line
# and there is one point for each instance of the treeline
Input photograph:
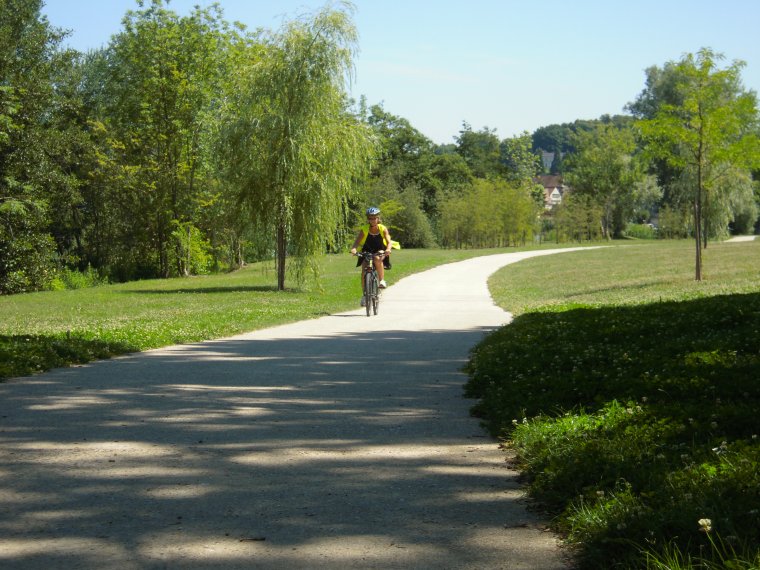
x,y
189,145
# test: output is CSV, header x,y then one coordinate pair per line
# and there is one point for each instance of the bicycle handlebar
x,y
367,255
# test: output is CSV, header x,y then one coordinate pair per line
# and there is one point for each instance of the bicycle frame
x,y
370,281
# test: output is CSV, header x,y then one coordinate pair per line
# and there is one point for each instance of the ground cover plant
x,y
630,394
50,329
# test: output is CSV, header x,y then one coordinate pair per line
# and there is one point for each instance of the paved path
x,y
283,448
741,238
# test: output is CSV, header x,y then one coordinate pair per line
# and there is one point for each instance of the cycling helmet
x,y
373,211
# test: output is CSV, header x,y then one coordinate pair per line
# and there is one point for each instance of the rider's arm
x,y
388,242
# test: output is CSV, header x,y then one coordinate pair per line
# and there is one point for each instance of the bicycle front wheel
x,y
375,293
368,292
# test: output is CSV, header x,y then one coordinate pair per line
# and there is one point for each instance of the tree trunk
x,y
698,215
698,237
281,252
705,228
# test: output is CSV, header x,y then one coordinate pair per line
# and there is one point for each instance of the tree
x,y
31,143
603,167
406,156
520,162
165,73
480,150
707,128
577,218
290,148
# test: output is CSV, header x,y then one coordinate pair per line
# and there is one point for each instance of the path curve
x,y
281,448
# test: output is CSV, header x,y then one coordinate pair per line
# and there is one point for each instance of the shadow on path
x,y
293,453
333,443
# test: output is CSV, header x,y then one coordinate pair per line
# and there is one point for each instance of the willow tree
x,y
290,148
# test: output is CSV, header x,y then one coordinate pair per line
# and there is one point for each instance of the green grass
x,y
631,395
50,329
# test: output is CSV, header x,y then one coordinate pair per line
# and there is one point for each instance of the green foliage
x,y
604,168
578,218
674,222
29,144
401,210
480,150
21,355
66,278
191,250
490,213
631,399
520,163
560,137
164,73
640,231
25,249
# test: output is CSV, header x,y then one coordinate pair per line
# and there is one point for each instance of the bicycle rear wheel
x,y
368,292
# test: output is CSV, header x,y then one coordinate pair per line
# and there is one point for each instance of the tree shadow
x,y
348,451
202,290
21,355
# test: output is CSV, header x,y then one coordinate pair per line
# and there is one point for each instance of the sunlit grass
x,y
639,272
49,329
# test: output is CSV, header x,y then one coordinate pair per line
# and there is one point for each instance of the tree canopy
x,y
188,145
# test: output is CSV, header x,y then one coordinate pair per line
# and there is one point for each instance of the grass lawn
x,y
631,395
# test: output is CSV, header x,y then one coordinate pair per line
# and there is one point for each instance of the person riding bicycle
x,y
374,238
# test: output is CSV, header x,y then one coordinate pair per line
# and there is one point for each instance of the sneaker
x,y
363,302
383,284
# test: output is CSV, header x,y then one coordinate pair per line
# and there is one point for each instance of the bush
x,y
641,231
70,279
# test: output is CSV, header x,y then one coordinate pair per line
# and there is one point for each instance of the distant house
x,y
554,189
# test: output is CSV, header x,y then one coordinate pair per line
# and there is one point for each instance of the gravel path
x,y
289,447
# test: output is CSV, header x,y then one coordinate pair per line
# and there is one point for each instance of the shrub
x,y
70,279
641,231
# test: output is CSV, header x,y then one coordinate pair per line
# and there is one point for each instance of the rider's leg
x,y
365,267
380,268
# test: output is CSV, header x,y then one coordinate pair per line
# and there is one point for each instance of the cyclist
x,y
374,238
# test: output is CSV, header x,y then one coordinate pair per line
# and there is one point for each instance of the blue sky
x,y
509,65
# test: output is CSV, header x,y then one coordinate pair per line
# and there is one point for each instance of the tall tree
x,y
708,128
31,142
291,149
165,73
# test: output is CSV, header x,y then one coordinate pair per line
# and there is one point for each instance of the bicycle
x,y
371,281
